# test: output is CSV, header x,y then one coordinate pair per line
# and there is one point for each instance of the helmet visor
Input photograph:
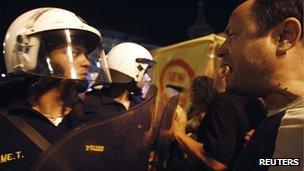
x,y
70,54
99,73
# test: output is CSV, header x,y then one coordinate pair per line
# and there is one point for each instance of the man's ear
x,y
223,71
288,33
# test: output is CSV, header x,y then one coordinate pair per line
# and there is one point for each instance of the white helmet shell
x,y
36,21
125,58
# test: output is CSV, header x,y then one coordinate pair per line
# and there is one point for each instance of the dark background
x,y
160,22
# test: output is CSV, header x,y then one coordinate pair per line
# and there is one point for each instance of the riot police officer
x,y
128,65
46,49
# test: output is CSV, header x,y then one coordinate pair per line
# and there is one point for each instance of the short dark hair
x,y
202,91
268,13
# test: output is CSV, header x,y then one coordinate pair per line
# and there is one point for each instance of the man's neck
x,y
278,99
290,79
50,104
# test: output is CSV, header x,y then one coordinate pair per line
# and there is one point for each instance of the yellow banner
x,y
177,65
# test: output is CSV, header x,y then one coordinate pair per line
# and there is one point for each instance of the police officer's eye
x,y
75,53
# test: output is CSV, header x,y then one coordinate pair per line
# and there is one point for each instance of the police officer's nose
x,y
85,61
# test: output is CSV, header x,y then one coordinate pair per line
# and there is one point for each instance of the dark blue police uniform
x,y
107,107
17,151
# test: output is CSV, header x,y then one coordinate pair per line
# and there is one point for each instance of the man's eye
x,y
230,35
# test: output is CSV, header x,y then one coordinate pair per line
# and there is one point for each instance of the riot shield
x,y
121,143
162,136
166,98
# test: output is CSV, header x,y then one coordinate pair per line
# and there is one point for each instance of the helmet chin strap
x,y
71,98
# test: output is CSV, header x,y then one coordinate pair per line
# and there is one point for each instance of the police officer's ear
x,y
288,34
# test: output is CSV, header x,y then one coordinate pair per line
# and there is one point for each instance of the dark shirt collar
x,y
107,100
134,100
103,98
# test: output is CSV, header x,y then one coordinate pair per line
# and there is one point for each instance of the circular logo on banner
x,y
177,74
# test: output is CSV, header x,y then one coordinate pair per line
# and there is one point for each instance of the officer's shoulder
x,y
231,98
4,122
224,97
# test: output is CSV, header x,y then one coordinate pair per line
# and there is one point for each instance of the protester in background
x,y
201,95
220,136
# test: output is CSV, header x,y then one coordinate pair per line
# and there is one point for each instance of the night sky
x,y
161,23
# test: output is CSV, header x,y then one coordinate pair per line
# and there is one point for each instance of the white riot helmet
x,y
128,59
52,42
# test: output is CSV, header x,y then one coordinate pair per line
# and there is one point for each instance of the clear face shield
x,y
99,73
66,54
146,80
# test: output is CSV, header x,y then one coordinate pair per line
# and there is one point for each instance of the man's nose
x,y
222,51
